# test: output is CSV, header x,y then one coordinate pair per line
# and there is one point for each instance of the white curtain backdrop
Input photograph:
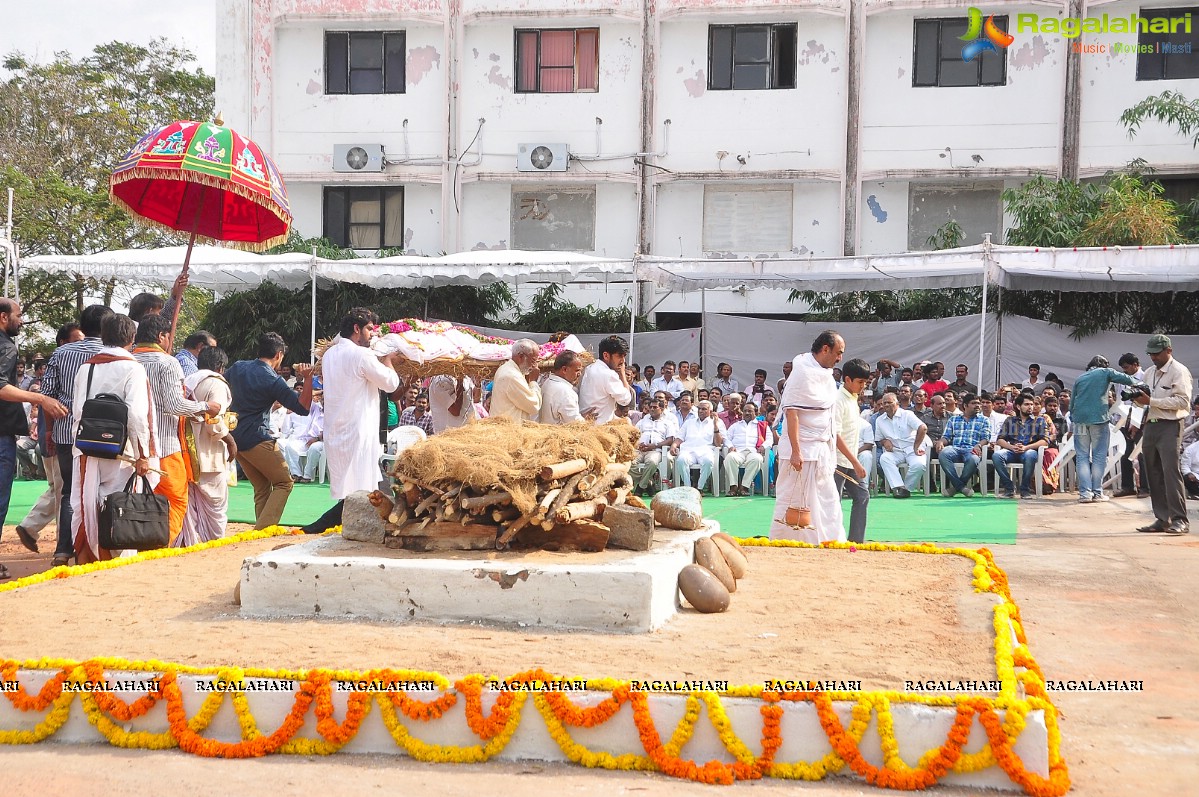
x,y
748,343
649,348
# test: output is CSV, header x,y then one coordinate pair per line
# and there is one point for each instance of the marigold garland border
x,y
1020,693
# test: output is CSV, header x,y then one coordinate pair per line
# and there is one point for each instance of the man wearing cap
x,y
1089,410
1168,401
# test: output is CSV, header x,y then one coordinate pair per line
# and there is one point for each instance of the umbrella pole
x,y
187,258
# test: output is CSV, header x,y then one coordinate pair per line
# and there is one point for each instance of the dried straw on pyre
x,y
497,477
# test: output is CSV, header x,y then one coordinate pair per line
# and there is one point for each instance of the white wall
x,y
771,129
271,87
488,63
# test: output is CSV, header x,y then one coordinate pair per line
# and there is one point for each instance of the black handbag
x,y
130,519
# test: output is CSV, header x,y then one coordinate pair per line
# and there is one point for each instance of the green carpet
x,y
306,504
975,521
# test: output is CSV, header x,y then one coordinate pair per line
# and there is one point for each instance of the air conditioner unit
x,y
358,157
542,157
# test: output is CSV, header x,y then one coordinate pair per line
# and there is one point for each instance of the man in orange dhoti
x,y
807,455
171,408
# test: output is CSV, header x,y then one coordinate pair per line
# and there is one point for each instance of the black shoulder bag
x,y
103,423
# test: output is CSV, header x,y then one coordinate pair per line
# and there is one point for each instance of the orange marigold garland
x,y
1015,665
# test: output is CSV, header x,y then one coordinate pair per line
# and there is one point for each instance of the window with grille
x,y
364,62
748,57
937,56
557,61
1168,56
364,217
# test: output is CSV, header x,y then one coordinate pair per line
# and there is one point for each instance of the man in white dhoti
x,y
693,447
901,437
353,376
807,447
208,491
515,393
112,370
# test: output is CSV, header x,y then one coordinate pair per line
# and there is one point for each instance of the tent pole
x,y
312,273
703,325
632,311
982,321
998,334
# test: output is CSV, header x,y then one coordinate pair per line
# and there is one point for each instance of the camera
x,y
1130,393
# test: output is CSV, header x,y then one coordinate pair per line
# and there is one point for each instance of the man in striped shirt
x,y
59,383
170,407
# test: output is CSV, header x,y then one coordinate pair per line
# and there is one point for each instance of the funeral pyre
x,y
498,483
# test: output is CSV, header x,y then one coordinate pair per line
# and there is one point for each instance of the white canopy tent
x,y
1149,268
212,267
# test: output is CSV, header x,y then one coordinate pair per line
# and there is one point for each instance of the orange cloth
x,y
173,487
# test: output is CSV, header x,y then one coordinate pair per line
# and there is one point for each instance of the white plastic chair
x,y
879,479
1016,471
320,465
398,439
983,459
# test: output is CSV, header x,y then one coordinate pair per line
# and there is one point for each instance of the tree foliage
x,y
66,125
237,320
1050,212
1170,108
549,312
1124,210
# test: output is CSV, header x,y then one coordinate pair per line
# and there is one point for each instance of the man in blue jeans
x,y
13,422
1090,408
962,442
1021,436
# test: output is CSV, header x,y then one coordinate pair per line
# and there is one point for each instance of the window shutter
x,y
748,219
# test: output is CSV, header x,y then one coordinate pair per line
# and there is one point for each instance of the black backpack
x,y
103,424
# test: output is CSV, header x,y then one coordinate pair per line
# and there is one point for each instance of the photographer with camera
x,y
1168,399
1090,408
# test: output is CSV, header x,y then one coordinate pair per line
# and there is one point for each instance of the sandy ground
x,y
921,610
1099,601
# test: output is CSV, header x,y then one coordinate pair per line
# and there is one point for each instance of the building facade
x,y
691,128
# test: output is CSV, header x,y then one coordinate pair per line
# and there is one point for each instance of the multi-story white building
x,y
688,127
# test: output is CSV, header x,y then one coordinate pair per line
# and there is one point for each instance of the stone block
x,y
360,520
630,528
678,508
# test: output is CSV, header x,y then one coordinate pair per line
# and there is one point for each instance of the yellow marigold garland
x,y
1021,692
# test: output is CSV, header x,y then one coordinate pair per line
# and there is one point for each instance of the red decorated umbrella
x,y
204,179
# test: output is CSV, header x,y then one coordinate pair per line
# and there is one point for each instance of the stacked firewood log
x,y
571,499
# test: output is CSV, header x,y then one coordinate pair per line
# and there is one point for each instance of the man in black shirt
x,y
13,422
256,386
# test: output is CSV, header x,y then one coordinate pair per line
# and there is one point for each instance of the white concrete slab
x,y
610,591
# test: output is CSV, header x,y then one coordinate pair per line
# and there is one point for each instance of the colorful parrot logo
x,y
992,37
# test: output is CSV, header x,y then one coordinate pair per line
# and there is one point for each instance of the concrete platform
x,y
335,578
916,727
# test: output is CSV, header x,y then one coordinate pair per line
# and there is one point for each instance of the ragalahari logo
x,y
992,38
